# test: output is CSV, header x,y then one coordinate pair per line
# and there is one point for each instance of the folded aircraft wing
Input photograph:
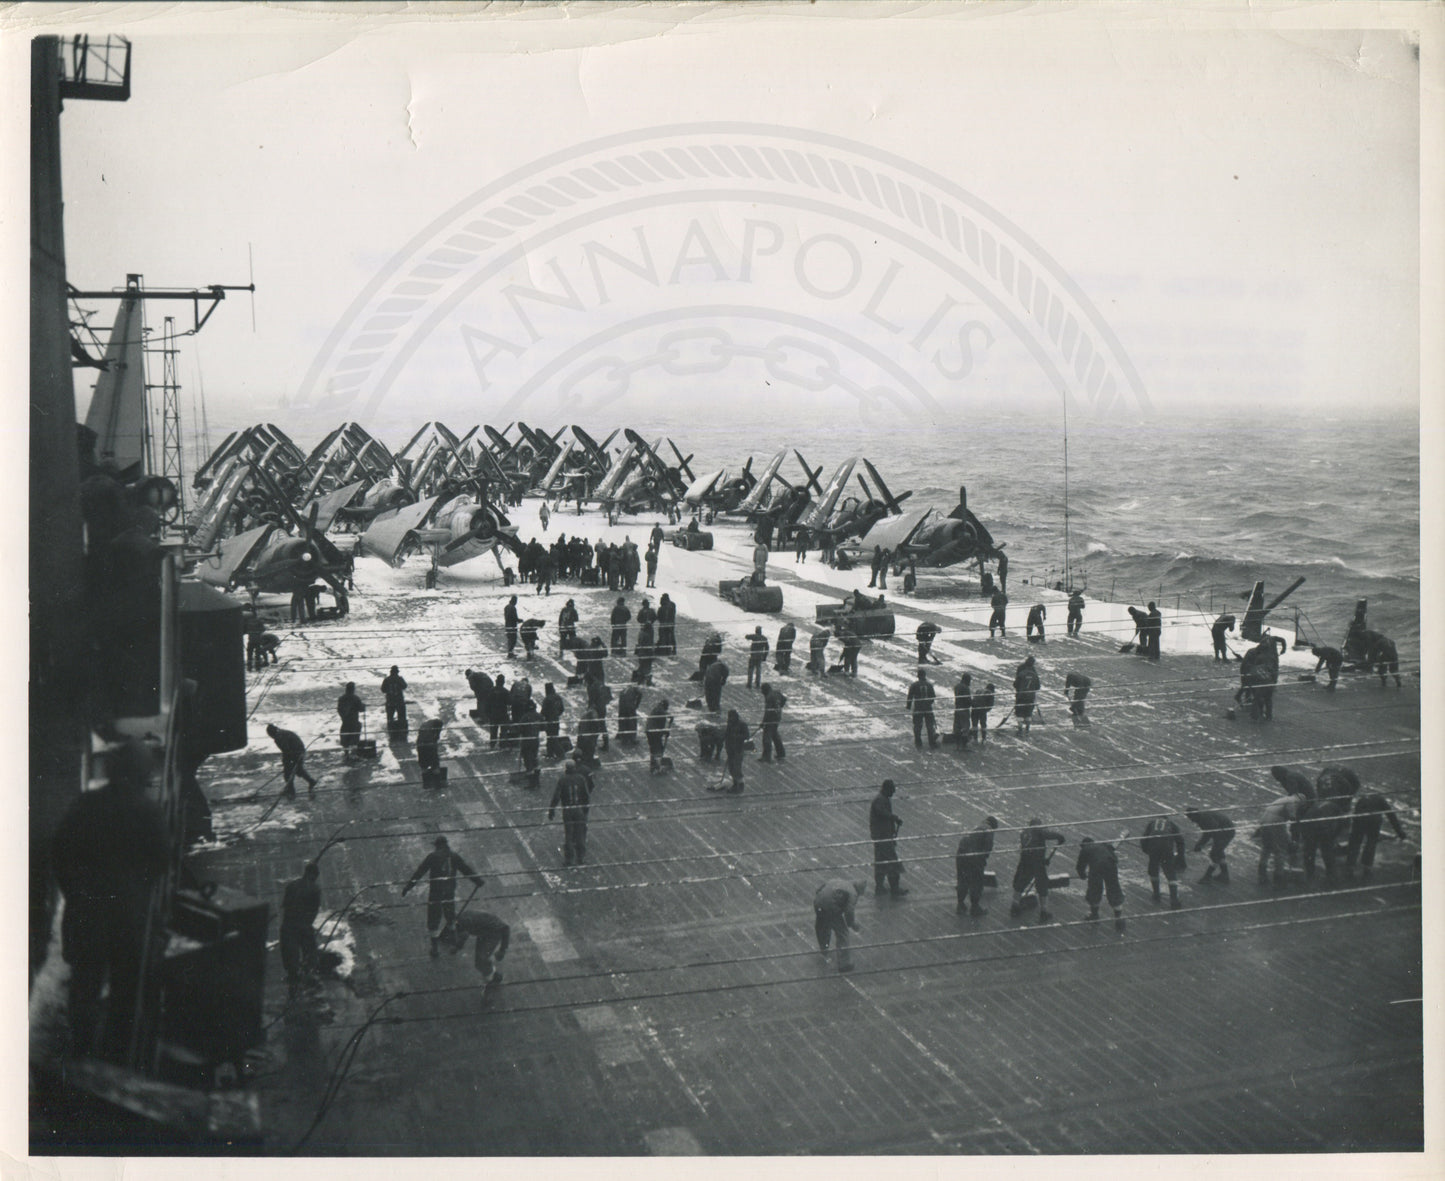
x,y
232,556
818,517
387,534
894,533
702,486
211,517
552,472
754,499
332,503
616,474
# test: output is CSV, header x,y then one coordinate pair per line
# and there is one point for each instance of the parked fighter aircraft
x,y
650,484
670,478
544,446
350,458
433,459
723,492
640,480
616,474
788,504
527,459
754,500
232,495
266,556
853,517
263,444
928,539
455,527
816,518
581,465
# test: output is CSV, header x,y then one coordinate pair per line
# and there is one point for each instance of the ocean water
x,y
1177,507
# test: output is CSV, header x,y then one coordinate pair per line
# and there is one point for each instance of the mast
x,y
172,464
1068,566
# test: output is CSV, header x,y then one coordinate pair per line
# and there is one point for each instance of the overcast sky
x,y
1238,207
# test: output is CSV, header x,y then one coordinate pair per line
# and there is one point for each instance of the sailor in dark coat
x,y
1033,866
552,709
481,687
773,702
1163,844
711,649
1328,658
962,706
970,862
1225,623
499,708
627,702
1098,864
300,904
646,640
920,706
350,707
999,603
925,635
834,914
529,740
598,695
1154,631
441,867
666,627
735,741
883,826
293,758
1384,657
712,685
1035,622
783,651
1026,691
978,715
1076,688
1074,624
621,616
574,794
393,688
567,626
428,744
1370,812
659,726
757,657
589,729
1215,830
852,644
529,635
817,653
1321,824
511,618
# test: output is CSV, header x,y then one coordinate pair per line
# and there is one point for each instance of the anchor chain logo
x,y
698,260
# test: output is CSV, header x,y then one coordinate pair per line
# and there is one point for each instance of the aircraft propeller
x,y
812,476
894,503
681,462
